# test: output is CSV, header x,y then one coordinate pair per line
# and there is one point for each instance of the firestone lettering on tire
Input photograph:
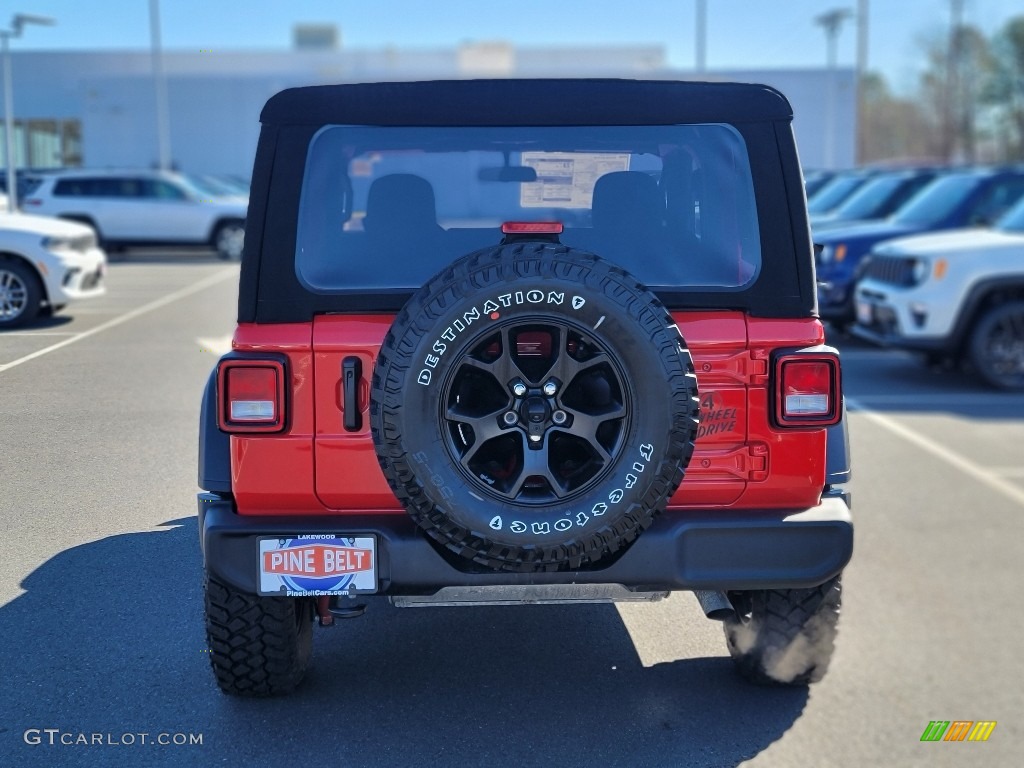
x,y
582,518
489,307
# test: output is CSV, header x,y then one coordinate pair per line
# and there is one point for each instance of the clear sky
x,y
742,34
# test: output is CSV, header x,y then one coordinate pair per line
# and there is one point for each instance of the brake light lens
x,y
532,228
807,391
251,396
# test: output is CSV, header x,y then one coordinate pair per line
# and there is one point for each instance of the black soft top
x,y
270,290
527,102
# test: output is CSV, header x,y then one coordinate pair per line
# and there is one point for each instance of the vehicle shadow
x,y
108,638
44,323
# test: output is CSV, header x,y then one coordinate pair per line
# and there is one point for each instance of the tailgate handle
x,y
351,375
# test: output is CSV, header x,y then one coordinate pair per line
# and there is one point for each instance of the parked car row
x,y
54,250
943,274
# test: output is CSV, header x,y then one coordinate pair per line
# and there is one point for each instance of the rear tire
x,y
784,636
21,293
259,646
229,239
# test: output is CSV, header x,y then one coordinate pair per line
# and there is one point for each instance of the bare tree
x,y
1004,89
950,93
897,129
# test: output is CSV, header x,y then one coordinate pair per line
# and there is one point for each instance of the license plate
x,y
318,564
865,312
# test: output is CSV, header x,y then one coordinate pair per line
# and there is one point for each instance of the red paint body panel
x,y
348,474
273,474
318,467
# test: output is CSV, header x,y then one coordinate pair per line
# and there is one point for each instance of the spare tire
x,y
533,407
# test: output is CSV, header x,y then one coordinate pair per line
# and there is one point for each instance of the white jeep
x,y
955,295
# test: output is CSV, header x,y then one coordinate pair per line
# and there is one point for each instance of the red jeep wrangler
x,y
484,328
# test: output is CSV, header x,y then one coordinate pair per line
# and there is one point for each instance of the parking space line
x,y
965,465
942,398
5,334
170,298
875,354
1008,471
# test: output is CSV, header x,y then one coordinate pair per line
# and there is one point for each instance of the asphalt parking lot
x,y
101,608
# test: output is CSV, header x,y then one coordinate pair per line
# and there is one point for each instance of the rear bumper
x,y
682,550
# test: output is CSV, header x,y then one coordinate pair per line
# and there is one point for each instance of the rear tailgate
x,y
740,459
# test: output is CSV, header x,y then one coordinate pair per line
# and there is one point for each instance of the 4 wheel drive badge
x,y
578,301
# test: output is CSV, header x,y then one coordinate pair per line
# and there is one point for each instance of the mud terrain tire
x,y
784,636
259,646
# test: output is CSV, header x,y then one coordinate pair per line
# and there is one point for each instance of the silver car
x,y
129,208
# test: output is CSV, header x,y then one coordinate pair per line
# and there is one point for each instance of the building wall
x,y
215,97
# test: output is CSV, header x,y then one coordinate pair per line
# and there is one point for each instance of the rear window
x,y
386,208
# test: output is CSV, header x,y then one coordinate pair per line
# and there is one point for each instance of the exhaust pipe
x,y
715,604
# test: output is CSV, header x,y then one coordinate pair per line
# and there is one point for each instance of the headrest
x,y
400,199
625,199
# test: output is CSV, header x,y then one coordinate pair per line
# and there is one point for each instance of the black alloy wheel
x,y
535,412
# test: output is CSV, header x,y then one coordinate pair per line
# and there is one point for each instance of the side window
x,y
109,187
998,199
104,188
131,188
80,187
162,190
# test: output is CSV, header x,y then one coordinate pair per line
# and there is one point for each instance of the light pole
x,y
19,21
163,128
831,21
701,46
862,72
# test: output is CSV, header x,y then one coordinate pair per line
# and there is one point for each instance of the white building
x,y
97,108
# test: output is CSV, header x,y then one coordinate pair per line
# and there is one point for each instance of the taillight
x,y
532,228
807,391
251,396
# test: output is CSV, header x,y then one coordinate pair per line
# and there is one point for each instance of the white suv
x,y
957,295
143,208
